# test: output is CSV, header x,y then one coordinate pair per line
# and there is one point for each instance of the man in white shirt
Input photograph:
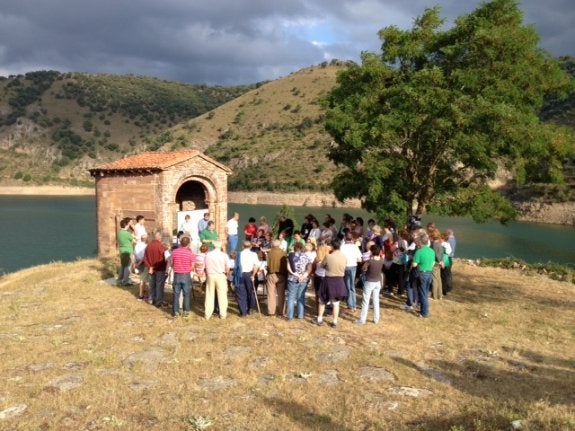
x,y
244,280
353,257
232,232
217,268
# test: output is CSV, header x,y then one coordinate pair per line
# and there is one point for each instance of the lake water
x,y
36,230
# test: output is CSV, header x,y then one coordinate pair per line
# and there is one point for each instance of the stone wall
x,y
118,197
153,195
557,213
214,181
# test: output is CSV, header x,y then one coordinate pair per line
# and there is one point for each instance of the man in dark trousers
x,y
246,268
182,262
276,279
155,260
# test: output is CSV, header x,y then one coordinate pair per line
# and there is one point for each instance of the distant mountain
x,y
54,126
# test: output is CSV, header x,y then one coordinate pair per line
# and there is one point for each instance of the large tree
x,y
425,124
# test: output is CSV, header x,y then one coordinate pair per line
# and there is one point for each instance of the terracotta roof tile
x,y
154,161
150,160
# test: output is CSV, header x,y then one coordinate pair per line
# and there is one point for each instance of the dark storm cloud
x,y
221,41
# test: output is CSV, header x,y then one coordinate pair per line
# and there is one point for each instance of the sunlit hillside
x,y
272,136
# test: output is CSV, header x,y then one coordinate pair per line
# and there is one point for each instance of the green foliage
x,y
480,202
158,141
286,211
558,110
146,98
88,126
24,91
86,104
426,122
72,145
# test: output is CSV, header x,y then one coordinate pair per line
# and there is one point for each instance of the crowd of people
x,y
332,258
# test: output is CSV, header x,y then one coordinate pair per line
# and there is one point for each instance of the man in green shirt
x,y
423,259
126,246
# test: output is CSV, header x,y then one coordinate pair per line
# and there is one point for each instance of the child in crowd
x,y
200,266
262,270
141,269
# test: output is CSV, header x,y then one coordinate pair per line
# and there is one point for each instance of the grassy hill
x,y
272,136
54,126
83,354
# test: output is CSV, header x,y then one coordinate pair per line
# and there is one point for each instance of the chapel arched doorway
x,y
191,196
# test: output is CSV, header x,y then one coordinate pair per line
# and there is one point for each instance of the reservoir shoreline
x,y
553,213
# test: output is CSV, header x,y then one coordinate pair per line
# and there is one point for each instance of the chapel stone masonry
x,y
158,185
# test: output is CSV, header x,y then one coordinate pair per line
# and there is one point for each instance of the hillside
x,y
54,126
82,354
272,136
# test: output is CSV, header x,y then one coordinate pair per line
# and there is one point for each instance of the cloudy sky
x,y
224,42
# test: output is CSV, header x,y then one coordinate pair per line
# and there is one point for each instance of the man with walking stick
x,y
247,265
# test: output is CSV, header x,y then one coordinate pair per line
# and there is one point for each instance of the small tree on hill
x,y
286,211
426,123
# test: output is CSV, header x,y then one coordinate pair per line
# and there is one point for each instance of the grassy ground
x,y
80,354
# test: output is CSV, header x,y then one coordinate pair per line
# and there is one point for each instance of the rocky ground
x,y
80,353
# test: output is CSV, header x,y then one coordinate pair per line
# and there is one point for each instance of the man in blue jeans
x,y
182,261
423,259
232,232
299,269
353,257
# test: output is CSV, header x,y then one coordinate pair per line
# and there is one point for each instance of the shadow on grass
x,y
306,417
107,267
481,289
514,380
539,358
487,420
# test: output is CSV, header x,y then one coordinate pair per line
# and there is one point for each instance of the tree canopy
x,y
427,122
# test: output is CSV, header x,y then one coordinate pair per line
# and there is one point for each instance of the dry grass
x,y
500,349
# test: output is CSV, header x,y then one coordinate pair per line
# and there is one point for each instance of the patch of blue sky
x,y
318,32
